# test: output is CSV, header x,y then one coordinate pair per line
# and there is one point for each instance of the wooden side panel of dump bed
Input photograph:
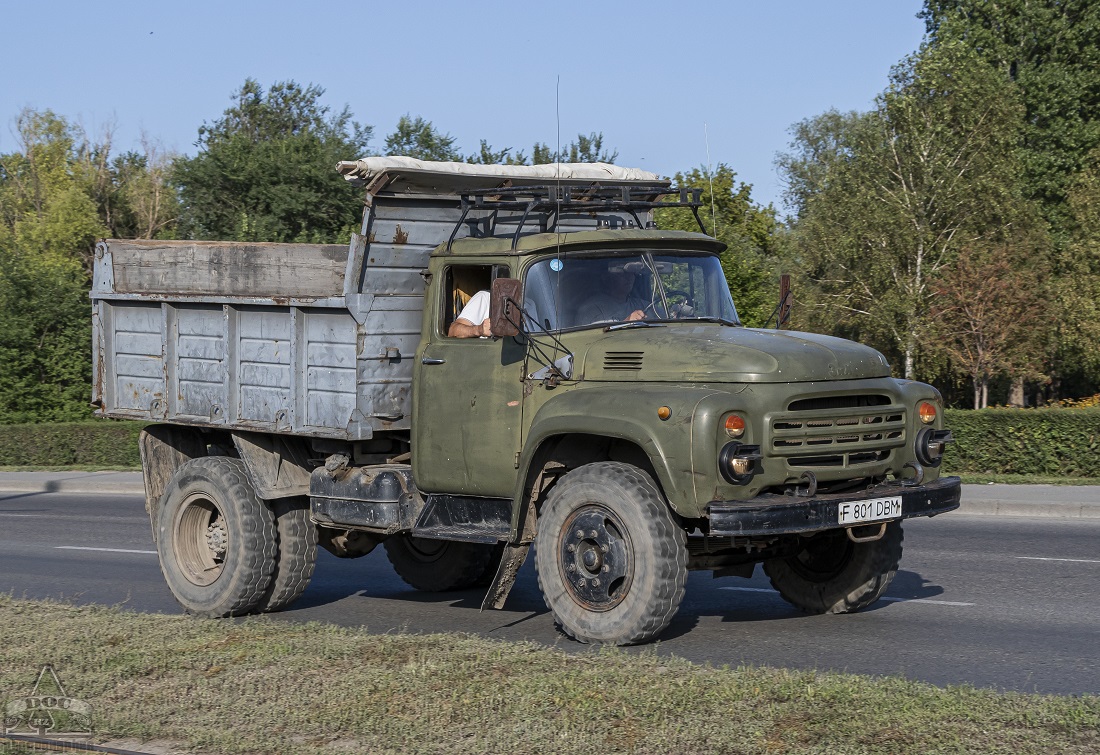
x,y
220,268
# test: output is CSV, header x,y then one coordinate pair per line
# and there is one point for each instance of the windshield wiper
x,y
632,324
704,318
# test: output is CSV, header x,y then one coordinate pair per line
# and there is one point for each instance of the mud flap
x,y
510,563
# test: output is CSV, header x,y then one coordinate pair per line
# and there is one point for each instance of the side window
x,y
540,296
462,284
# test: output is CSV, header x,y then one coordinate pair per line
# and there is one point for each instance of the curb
x,y
80,483
1047,510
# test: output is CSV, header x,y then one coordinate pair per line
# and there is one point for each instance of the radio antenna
x,y
710,178
557,192
557,132
557,152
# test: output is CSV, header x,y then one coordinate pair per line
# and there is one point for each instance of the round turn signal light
x,y
664,412
735,426
927,412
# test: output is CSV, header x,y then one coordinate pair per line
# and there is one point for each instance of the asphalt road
x,y
992,601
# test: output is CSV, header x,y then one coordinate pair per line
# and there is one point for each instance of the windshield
x,y
576,291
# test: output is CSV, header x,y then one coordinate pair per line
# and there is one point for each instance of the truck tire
x,y
297,553
437,565
610,557
491,566
831,574
216,539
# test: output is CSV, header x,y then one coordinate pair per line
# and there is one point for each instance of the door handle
x,y
429,360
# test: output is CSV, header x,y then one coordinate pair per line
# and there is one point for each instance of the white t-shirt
x,y
476,310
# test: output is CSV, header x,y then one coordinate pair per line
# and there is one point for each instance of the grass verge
x,y
264,686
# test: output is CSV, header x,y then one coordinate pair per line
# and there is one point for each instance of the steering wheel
x,y
683,297
670,293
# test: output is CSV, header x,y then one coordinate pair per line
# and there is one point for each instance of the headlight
x,y
931,444
738,462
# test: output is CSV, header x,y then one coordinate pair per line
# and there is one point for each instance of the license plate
x,y
874,510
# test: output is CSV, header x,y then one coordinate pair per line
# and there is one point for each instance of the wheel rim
x,y
202,540
596,558
823,558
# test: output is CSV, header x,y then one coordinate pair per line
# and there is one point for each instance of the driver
x,y
615,303
473,320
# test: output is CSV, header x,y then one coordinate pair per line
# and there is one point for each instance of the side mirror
x,y
504,309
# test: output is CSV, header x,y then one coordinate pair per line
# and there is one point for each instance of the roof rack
x,y
552,201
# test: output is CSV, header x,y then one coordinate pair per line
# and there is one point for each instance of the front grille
x,y
839,460
623,360
839,431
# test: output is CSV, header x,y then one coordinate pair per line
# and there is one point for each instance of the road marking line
x,y
888,600
78,517
1072,560
925,600
106,550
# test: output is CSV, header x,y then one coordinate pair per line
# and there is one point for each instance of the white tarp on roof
x,y
369,167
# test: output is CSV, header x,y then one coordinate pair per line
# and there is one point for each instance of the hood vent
x,y
837,402
623,360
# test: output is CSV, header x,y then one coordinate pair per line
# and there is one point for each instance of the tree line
x,y
955,225
263,171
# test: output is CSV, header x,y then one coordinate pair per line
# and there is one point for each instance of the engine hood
x,y
717,353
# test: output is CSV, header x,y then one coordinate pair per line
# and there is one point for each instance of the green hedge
x,y
1052,442
1048,442
104,444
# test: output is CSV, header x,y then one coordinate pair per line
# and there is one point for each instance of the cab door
x,y
467,402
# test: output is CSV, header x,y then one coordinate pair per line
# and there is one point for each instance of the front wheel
x,y
610,557
831,574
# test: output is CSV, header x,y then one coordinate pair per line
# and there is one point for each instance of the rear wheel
x,y
437,565
831,574
611,558
216,539
297,553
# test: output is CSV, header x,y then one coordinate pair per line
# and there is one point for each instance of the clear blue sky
x,y
647,74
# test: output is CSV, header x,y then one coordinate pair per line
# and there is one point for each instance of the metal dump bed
x,y
294,338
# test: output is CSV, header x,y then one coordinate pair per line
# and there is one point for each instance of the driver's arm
x,y
461,328
473,320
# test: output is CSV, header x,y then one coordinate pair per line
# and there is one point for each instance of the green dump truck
x,y
611,410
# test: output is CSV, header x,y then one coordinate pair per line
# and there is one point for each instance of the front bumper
x,y
772,514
